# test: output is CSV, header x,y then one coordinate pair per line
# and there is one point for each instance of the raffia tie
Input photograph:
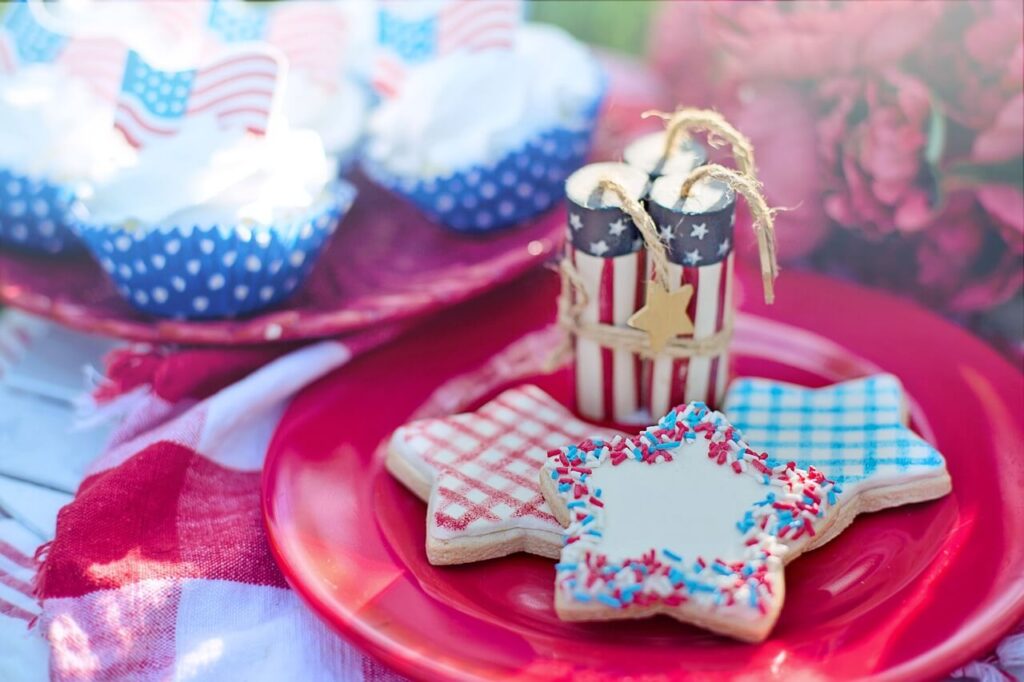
x,y
573,301
719,132
764,217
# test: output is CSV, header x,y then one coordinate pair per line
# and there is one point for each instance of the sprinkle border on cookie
x,y
739,598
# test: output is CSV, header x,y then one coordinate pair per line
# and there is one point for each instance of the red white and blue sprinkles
x,y
795,504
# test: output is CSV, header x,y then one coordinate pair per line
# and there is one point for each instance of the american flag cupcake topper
x,y
310,34
28,36
410,34
238,88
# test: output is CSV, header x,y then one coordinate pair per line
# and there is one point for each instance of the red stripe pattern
x,y
408,36
698,378
486,462
609,382
313,36
17,569
97,61
237,89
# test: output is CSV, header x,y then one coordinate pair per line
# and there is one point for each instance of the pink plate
x,y
386,263
910,593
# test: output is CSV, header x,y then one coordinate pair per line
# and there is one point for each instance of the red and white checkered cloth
x,y
160,568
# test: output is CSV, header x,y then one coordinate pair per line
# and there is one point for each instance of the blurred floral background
x,y
893,130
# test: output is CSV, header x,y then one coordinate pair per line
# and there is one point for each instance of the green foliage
x,y
618,24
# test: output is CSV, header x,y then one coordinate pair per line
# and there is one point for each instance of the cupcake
x,y
480,141
56,142
213,223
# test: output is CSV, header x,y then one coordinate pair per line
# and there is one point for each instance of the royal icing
x,y
483,465
854,430
683,512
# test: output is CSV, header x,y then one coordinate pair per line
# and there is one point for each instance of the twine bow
x,y
719,132
764,217
574,299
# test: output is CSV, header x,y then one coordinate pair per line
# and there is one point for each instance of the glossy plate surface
x,y
903,594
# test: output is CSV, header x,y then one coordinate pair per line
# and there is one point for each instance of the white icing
x,y
647,152
688,505
581,184
54,127
706,195
468,109
339,116
205,175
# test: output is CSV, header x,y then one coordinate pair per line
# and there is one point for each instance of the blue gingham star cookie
x,y
854,431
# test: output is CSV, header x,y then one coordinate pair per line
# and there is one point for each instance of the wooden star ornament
x,y
664,316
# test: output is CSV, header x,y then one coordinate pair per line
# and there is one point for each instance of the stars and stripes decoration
x,y
238,89
607,253
25,40
699,248
310,34
411,34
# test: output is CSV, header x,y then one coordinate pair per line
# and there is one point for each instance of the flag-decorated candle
x,y
649,154
606,251
698,234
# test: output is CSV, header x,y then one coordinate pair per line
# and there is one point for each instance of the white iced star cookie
x,y
686,520
855,430
478,474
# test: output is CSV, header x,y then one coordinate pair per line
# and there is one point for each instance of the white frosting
x,y
206,175
647,152
339,116
706,195
581,184
54,127
685,505
470,109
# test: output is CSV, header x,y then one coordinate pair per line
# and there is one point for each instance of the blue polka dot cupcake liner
x,y
521,184
35,214
215,271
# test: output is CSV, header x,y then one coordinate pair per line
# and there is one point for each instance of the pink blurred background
x,y
894,131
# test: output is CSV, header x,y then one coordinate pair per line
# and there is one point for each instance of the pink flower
x,y
874,135
1003,143
963,264
975,62
796,41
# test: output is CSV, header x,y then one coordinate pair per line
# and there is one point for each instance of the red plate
x,y
909,593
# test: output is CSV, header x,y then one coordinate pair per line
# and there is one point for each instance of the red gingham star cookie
x,y
478,473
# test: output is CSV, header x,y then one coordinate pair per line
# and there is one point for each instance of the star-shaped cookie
x,y
478,474
687,520
855,430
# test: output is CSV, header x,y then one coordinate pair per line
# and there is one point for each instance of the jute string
x,y
718,130
764,217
